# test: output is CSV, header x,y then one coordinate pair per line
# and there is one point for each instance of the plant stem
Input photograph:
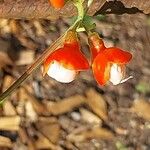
x,y
80,8
37,63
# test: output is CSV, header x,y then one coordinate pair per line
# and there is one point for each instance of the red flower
x,y
57,3
108,63
64,63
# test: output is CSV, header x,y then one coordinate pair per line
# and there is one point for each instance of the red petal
x,y
96,44
101,69
117,55
57,3
70,57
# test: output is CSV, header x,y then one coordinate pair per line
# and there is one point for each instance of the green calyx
x,y
86,22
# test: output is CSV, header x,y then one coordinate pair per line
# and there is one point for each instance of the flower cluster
x,y
108,64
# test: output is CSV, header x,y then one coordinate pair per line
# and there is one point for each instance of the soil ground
x,y
45,114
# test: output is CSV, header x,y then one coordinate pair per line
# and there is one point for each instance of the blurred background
x,y
45,114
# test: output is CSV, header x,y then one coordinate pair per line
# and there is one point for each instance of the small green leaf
x,y
88,23
143,87
120,146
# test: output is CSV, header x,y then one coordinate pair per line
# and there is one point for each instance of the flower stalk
x,y
40,60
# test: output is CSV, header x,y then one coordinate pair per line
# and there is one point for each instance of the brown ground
x,y
45,114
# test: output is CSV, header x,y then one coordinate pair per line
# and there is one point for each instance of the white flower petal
x,y
61,74
116,74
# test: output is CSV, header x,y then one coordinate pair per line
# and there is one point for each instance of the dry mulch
x,y
45,114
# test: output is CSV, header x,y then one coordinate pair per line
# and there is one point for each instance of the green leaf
x,y
143,87
88,23
120,146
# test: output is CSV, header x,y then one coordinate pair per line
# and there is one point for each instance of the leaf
x,y
4,60
5,142
65,105
142,108
43,143
26,93
10,123
26,57
120,146
88,23
95,133
9,109
143,87
30,112
89,117
49,129
97,103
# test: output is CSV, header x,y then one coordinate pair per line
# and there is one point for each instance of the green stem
x,y
36,64
80,8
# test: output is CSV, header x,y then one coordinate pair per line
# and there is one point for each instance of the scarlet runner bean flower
x,y
57,3
108,64
64,64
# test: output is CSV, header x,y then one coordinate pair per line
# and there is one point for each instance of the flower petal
x,y
96,44
117,73
101,69
117,55
69,57
57,3
61,74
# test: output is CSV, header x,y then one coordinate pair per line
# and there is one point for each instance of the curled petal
x,y
117,73
116,55
101,69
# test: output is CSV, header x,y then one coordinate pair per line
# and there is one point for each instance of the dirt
x,y
126,126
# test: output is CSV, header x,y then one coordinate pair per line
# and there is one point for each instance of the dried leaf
x,y
39,28
9,109
89,117
97,103
65,105
26,57
10,123
26,139
142,108
5,142
121,131
30,112
95,133
15,27
26,95
8,80
49,129
4,59
47,120
43,143
23,135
